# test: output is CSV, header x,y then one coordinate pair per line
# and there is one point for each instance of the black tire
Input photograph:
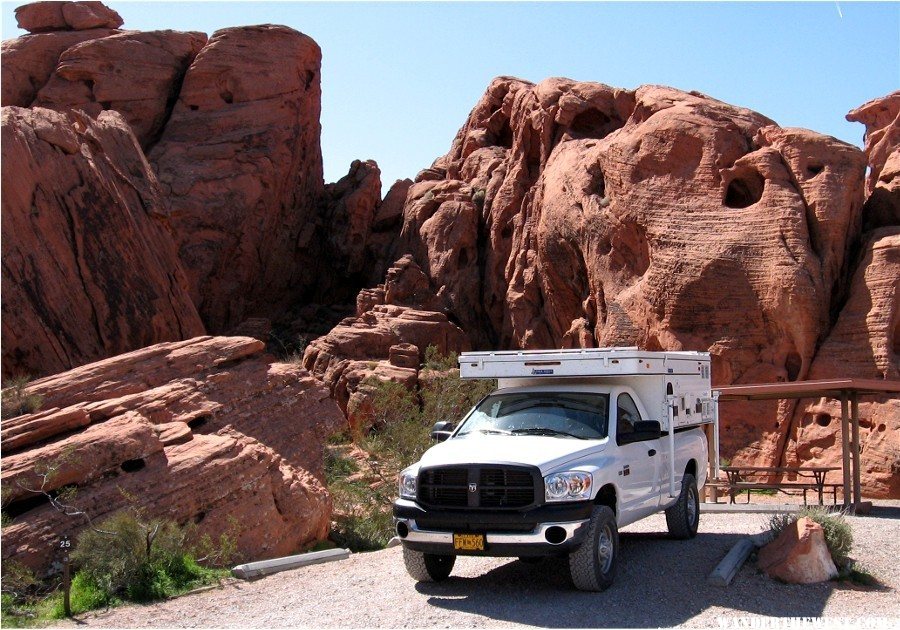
x,y
683,518
593,565
427,567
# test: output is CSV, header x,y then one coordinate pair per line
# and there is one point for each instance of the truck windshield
x,y
559,414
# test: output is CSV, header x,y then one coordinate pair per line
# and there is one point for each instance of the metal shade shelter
x,y
847,390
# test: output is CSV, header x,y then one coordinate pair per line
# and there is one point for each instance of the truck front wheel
x,y
684,517
427,567
593,564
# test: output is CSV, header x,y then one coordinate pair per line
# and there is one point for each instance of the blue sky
x,y
398,79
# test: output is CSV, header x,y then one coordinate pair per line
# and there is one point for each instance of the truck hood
x,y
546,452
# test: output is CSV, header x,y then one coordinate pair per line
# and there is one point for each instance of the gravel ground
x,y
661,582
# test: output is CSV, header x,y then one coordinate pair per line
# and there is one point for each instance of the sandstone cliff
x,y
223,185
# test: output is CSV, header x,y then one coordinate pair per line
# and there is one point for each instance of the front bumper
x,y
507,533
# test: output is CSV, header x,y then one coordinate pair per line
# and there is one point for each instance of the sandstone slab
x,y
205,430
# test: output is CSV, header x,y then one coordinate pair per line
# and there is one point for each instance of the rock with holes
x,y
89,269
576,214
49,15
29,61
207,430
882,120
102,74
798,555
240,164
865,342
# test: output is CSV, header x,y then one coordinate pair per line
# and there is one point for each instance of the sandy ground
x,y
661,582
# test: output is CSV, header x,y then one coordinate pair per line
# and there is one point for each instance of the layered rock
x,y
89,269
240,164
235,143
205,431
41,17
394,325
881,117
576,214
103,74
29,61
864,343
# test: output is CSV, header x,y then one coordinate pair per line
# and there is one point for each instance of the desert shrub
x,y
363,519
16,401
127,557
838,533
84,595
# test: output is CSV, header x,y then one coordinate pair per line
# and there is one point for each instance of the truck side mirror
x,y
442,430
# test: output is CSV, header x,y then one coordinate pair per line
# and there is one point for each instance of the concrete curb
x,y
276,565
733,560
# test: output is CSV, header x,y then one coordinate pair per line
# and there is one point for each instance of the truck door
x,y
638,461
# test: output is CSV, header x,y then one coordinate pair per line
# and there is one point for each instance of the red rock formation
x,y
40,17
88,267
29,61
882,120
387,338
210,430
865,343
102,74
240,165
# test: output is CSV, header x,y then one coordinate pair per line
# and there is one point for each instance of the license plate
x,y
468,542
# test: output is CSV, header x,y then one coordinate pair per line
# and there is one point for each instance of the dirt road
x,y
661,582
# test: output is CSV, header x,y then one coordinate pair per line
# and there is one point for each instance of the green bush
x,y
16,401
838,533
139,561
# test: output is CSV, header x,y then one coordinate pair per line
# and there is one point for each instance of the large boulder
x,y
102,74
241,168
40,17
29,61
798,555
89,269
205,430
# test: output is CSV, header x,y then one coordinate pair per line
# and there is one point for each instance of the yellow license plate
x,y
468,542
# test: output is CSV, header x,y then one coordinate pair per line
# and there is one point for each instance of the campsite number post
x,y
65,545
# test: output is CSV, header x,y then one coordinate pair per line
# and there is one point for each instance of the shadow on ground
x,y
660,582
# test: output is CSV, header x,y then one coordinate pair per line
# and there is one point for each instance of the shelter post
x,y
857,464
845,447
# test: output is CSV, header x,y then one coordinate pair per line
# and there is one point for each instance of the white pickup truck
x,y
573,445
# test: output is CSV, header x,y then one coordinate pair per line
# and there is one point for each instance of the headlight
x,y
408,484
568,486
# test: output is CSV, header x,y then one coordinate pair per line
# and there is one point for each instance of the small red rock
x,y
799,555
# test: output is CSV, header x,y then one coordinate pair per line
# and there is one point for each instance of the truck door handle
x,y
651,452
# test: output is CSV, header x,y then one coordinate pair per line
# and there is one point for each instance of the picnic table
x,y
746,478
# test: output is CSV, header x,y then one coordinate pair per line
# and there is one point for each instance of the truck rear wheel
x,y
684,517
427,567
593,564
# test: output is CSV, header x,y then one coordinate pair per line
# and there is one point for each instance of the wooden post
x,y
845,445
857,464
